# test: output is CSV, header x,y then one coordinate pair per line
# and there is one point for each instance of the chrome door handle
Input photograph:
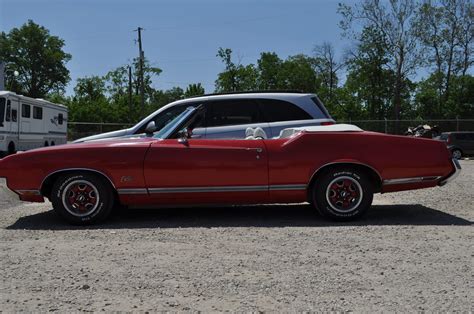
x,y
258,149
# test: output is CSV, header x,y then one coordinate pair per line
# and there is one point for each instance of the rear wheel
x,y
457,153
82,198
342,194
11,148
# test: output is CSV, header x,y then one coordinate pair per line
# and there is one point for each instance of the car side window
x,y
166,116
233,112
275,110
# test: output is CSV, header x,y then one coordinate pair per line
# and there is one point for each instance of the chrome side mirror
x,y
183,137
150,129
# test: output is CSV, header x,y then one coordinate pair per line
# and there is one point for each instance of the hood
x,y
112,134
99,144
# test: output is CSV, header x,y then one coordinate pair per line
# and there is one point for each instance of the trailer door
x,y
14,121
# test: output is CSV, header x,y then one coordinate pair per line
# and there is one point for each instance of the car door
x,y
230,118
470,143
462,142
207,171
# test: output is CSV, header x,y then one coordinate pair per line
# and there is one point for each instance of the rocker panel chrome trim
x,y
209,189
213,189
132,191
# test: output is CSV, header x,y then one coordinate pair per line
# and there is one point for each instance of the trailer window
x,y
2,110
37,113
14,115
9,110
25,111
60,119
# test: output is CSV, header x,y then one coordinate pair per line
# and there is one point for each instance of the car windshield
x,y
169,128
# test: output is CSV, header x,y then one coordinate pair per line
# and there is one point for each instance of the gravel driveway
x,y
412,252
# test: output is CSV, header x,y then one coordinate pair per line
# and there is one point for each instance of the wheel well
x,y
47,185
372,173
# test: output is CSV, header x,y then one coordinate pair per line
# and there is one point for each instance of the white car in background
x,y
230,115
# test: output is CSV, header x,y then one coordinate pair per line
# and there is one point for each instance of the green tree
x,y
235,77
369,78
297,73
446,31
90,88
269,68
327,68
38,57
395,20
194,90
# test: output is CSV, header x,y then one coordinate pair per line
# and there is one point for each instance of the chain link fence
x,y
389,126
78,130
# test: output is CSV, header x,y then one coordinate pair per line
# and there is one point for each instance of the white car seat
x,y
255,134
259,133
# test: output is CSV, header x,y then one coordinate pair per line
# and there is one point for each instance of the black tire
x,y
456,153
11,148
82,198
349,198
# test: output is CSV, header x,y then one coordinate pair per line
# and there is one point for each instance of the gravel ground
x,y
412,252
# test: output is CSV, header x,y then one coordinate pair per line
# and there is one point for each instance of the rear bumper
x,y
453,175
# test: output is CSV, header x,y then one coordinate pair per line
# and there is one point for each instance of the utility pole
x,y
130,89
141,56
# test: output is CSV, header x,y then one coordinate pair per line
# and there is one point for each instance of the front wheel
x,y
343,194
457,153
82,198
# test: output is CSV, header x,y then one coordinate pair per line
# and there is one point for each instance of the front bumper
x,y
453,175
6,193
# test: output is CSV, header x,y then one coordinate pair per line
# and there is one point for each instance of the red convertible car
x,y
335,168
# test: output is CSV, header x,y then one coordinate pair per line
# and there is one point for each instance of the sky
x,y
182,36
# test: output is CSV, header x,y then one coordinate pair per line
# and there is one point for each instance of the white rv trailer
x,y
27,123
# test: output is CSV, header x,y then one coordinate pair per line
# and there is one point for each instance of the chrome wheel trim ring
x,y
357,185
64,197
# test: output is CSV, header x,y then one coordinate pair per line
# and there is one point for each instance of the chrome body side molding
x,y
409,180
132,191
214,189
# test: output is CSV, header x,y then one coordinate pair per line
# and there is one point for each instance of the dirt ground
x,y
412,252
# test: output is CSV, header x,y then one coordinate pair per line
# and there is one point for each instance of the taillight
x,y
327,123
